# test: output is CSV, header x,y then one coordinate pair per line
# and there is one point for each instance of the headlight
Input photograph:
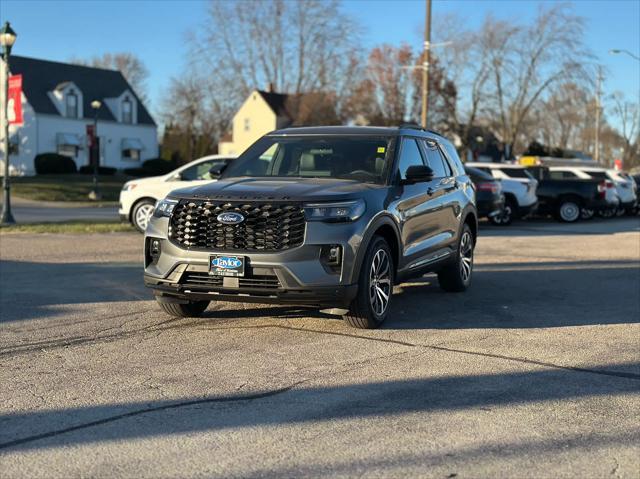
x,y
128,186
164,208
335,212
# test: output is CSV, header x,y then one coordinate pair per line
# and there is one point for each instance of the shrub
x,y
102,170
137,172
54,164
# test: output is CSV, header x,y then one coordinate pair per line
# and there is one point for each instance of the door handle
x,y
430,191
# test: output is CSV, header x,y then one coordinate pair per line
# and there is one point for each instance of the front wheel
x,y
141,214
456,277
193,309
375,286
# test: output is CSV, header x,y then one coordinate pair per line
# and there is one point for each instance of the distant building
x,y
262,112
56,104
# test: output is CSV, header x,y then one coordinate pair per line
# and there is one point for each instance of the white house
x,y
56,105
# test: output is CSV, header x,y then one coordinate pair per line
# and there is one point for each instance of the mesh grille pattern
x,y
266,227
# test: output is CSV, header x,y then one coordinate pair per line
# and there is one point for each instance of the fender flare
x,y
374,225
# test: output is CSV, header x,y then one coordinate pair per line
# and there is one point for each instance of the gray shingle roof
x,y
42,76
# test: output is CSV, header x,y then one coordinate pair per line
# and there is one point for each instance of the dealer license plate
x,y
227,265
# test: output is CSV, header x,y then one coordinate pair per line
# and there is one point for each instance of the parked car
x,y
620,189
519,189
489,197
330,217
138,197
568,198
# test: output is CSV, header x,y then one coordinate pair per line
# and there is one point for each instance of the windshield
x,y
363,158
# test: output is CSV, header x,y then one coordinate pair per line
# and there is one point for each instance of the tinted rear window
x,y
516,173
597,175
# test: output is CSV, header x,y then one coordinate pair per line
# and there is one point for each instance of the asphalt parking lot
x,y
534,372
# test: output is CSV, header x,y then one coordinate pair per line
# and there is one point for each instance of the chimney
x,y
270,87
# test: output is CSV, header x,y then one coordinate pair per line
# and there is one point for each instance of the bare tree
x,y
524,61
628,116
299,47
131,67
194,121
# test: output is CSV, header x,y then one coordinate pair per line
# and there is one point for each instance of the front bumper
x,y
321,297
294,276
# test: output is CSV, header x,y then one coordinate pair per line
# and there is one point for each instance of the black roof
x,y
357,130
276,101
42,76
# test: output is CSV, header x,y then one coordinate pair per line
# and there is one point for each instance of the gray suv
x,y
330,217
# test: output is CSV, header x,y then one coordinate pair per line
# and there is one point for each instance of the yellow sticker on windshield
x,y
381,149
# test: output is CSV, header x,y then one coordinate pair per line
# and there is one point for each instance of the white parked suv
x,y
138,197
622,196
519,188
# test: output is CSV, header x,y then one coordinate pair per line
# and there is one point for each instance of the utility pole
x,y
598,93
425,66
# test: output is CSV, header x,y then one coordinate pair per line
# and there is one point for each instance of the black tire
x,y
508,214
362,313
190,310
146,205
587,214
456,276
608,213
569,210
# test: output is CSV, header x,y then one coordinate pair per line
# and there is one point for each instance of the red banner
x,y
14,104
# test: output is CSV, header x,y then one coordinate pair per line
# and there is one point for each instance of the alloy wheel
x,y
466,256
380,282
143,214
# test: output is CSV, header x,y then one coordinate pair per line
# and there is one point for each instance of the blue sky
x,y
156,30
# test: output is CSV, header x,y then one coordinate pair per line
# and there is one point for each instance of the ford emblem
x,y
230,218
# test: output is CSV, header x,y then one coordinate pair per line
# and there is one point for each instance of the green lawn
x,y
68,227
66,187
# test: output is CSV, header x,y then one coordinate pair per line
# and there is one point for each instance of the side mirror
x,y
216,170
418,174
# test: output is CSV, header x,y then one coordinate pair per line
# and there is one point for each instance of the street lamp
x,y
618,51
7,39
95,150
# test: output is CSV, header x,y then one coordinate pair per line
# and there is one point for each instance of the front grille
x,y
266,227
196,280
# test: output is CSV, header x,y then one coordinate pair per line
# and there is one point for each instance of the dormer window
x,y
72,104
127,111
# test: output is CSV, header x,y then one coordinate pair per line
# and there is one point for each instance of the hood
x,y
293,189
147,179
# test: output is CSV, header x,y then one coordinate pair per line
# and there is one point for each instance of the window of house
x,y
247,124
72,104
68,150
127,111
131,154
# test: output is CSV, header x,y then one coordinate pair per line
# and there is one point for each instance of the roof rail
x,y
411,126
414,126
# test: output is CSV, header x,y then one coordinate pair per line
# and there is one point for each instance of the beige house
x,y
262,112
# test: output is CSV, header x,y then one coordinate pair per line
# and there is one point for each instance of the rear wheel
x,y
507,215
375,286
569,210
608,213
456,277
141,214
192,309
586,213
